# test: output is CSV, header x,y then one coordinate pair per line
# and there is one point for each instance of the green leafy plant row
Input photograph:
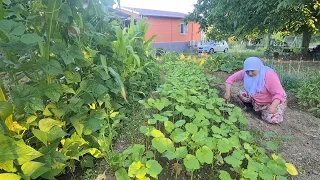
x,y
69,64
223,62
192,129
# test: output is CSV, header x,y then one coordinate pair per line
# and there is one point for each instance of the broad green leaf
x,y
181,152
72,77
156,133
246,136
161,144
192,128
159,105
180,108
255,166
276,168
55,170
205,113
42,136
144,129
5,110
270,134
122,174
189,112
134,168
272,145
209,106
67,89
199,116
266,175
22,153
149,154
169,126
8,166
46,124
30,38
181,137
31,119
204,155
216,130
281,178
224,145
53,91
199,136
165,102
224,175
210,142
92,125
191,162
217,111
52,68
34,169
77,124
238,154
233,161
154,168
55,133
142,173
87,162
167,113
152,121
160,118
9,176
250,174
179,123
170,155
18,31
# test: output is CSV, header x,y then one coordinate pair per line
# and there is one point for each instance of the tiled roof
x,y
157,13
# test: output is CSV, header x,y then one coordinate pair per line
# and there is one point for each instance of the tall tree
x,y
250,18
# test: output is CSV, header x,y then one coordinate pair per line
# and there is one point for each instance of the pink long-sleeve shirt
x,y
272,89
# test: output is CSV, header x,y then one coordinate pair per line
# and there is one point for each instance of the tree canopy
x,y
249,18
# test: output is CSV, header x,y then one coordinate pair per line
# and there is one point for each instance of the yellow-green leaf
x,y
9,176
291,169
156,133
8,166
114,114
133,168
274,156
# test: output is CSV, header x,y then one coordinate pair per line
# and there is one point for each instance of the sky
x,y
183,6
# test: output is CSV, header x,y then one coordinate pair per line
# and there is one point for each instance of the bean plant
x,y
68,65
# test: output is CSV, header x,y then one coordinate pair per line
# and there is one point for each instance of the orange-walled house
x,y
172,33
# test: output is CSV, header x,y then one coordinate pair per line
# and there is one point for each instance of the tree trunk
x,y
306,38
269,41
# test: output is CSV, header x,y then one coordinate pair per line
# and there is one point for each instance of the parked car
x,y
213,46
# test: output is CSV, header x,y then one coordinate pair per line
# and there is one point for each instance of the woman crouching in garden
x,y
262,90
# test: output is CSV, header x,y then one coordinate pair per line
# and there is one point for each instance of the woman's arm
x,y
238,76
275,88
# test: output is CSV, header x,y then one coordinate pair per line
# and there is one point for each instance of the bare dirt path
x,y
303,150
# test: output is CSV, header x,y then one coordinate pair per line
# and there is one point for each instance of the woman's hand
x,y
272,109
227,94
274,105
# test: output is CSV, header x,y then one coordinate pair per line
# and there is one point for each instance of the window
x,y
183,28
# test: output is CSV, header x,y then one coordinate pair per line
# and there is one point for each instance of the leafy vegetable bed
x,y
192,129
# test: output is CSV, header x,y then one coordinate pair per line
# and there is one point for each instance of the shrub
x,y
309,94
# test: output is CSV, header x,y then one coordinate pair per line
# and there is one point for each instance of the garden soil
x,y
303,150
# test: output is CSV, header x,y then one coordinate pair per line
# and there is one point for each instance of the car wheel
x,y
211,51
225,50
